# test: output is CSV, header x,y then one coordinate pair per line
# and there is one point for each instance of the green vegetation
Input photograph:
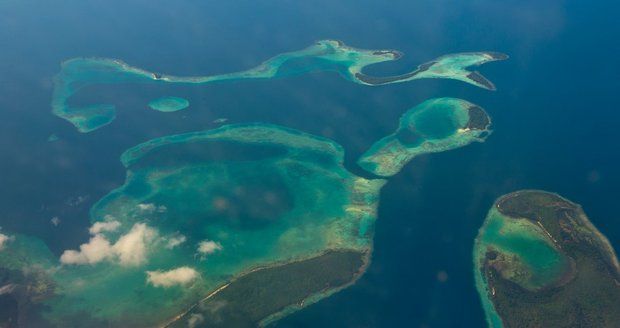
x,y
252,299
539,262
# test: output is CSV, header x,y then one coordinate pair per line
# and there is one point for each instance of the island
x,y
168,104
435,125
540,262
325,55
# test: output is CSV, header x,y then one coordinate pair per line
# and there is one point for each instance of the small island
x,y
540,262
435,125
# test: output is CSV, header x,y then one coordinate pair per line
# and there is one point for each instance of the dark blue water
x,y
555,114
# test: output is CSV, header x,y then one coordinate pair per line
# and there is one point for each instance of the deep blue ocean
x,y
556,120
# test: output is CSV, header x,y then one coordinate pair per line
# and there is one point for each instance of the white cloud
x,y
207,247
129,249
100,227
96,250
194,320
151,208
178,276
4,239
175,241
7,289
55,221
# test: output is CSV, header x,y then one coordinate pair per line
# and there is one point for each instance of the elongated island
x,y
325,55
540,262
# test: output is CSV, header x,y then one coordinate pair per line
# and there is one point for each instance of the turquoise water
x,y
214,220
438,124
181,227
530,244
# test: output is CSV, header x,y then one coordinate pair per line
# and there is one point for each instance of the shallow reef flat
x,y
435,125
539,262
326,55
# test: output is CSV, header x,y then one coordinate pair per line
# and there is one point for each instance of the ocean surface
x,y
555,121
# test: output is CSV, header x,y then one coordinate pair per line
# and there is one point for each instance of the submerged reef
x,y
326,55
168,104
539,262
435,125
